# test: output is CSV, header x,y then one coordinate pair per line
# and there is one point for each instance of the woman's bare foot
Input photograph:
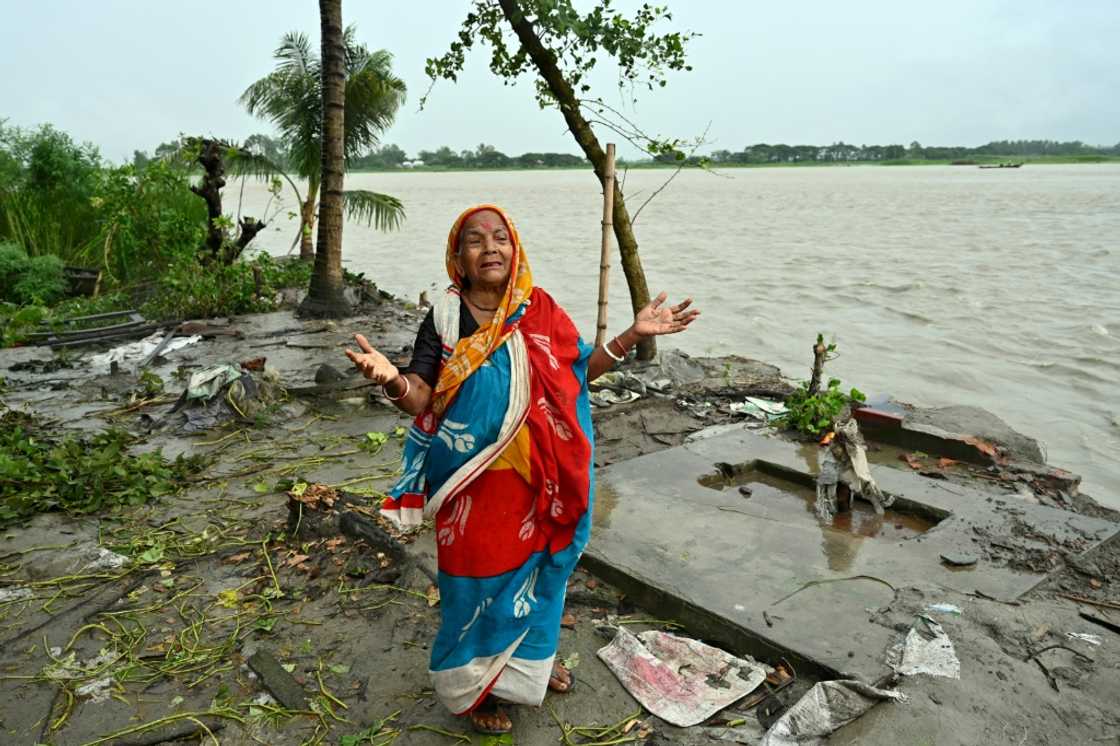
x,y
490,719
562,679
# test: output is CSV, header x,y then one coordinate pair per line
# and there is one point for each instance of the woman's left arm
x,y
653,320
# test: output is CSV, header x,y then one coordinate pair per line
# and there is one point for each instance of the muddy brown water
x,y
941,285
778,495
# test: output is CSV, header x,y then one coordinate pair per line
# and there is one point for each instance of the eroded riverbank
x,y
205,579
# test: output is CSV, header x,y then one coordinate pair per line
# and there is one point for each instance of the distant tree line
x,y
487,156
843,152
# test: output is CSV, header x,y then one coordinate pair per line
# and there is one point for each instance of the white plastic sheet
x,y
825,708
926,649
134,352
682,681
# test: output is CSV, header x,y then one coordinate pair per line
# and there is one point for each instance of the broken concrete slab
x,y
720,560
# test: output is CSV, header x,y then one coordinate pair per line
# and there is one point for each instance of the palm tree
x,y
291,97
325,297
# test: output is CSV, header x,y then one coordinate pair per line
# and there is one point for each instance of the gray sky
x,y
128,74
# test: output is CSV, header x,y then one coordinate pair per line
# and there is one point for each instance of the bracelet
x,y
407,389
619,343
611,355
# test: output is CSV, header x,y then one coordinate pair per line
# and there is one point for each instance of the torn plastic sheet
x,y
1084,637
205,383
825,708
926,649
766,410
134,352
680,680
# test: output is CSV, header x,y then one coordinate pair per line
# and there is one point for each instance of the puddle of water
x,y
776,493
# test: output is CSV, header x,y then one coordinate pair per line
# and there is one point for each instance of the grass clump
x,y
78,473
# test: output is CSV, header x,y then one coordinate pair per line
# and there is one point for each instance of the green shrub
x,y
43,283
813,415
17,322
25,280
191,289
13,264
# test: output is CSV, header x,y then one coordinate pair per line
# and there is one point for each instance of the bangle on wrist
x,y
611,355
621,346
407,388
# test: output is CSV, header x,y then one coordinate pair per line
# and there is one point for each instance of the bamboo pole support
x,y
604,254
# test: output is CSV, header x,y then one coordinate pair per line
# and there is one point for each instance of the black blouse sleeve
x,y
427,352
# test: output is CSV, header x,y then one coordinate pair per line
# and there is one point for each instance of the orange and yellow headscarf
x,y
472,352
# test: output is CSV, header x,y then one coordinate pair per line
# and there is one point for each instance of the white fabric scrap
x,y
134,352
926,649
97,691
8,595
103,559
682,681
1085,637
825,708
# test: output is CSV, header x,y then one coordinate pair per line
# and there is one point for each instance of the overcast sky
x,y
128,74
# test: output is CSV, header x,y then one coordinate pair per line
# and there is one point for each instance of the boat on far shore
x,y
1002,165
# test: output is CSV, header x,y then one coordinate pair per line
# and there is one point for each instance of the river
x,y
940,285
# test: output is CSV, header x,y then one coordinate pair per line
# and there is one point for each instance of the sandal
x,y
556,684
490,719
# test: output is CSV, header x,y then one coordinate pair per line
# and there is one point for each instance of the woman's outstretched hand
x,y
373,365
658,318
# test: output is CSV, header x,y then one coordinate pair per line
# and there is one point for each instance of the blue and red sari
x,y
502,461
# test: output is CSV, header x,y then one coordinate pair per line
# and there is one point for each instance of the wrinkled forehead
x,y
485,222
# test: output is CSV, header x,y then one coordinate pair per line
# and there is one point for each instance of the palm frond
x,y
373,96
382,211
295,55
245,162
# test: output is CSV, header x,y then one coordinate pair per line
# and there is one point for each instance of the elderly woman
x,y
500,455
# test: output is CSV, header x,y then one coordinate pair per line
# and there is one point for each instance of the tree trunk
x,y
307,222
325,297
561,90
210,189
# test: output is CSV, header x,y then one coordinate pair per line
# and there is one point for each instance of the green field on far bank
x,y
1034,160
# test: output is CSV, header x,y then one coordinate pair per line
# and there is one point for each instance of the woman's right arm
x,y
407,391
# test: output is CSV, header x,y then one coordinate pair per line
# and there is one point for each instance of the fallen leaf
x,y
568,620
630,726
433,595
591,584
340,668
336,542
945,462
911,460
297,559
236,558
228,598
985,448
1095,584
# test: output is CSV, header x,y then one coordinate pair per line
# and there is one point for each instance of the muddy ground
x,y
151,644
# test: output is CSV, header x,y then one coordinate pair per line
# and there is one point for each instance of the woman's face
x,y
485,250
